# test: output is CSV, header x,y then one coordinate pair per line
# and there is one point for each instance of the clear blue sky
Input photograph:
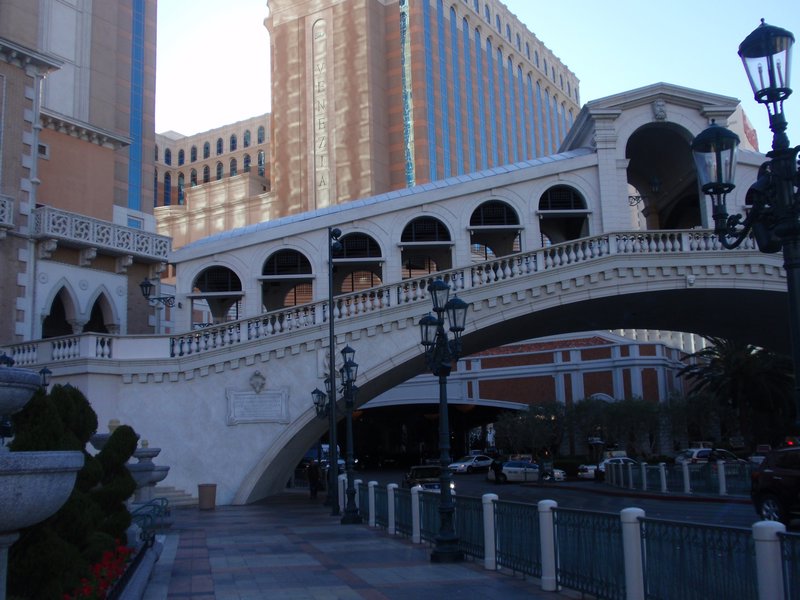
x,y
612,46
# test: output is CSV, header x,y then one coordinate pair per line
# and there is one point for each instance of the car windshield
x,y
466,459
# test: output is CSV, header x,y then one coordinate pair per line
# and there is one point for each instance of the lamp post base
x,y
349,518
446,551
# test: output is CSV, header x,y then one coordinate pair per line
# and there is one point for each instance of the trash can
x,y
207,496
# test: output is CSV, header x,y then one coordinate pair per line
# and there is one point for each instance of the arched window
x,y
246,138
476,5
246,163
528,50
261,134
562,214
219,146
193,178
219,290
519,43
168,156
493,212
425,229
180,188
232,142
233,168
219,170
286,280
358,245
536,57
181,157
206,150
167,189
497,23
193,154
487,13
155,187
206,174
261,163
508,32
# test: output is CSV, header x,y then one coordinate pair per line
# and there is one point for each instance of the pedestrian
x,y
313,475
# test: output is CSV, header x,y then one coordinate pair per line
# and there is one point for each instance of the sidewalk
x,y
289,547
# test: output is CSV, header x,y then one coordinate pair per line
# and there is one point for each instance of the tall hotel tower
x,y
374,95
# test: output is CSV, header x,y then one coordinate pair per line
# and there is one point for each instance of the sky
x,y
612,46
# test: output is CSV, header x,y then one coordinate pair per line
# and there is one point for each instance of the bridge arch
x,y
286,279
563,214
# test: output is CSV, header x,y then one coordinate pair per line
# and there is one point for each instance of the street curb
x,y
600,488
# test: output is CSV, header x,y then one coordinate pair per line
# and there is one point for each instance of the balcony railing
x,y
6,213
83,231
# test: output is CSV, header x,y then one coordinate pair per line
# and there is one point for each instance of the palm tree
x,y
751,385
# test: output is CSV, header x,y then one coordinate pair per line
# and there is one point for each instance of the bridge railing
x,y
476,275
611,555
353,305
715,479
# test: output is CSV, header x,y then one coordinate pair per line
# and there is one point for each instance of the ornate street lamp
x,y
440,353
774,218
349,373
147,288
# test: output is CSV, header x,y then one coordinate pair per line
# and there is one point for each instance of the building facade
x,y
76,132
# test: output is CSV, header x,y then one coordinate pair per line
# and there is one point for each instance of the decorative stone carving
x,y
47,247
87,255
660,110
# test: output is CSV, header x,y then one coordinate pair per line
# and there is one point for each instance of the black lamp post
x,y
44,377
334,246
440,352
349,373
774,218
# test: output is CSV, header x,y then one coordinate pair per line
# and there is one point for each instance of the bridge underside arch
x,y
754,316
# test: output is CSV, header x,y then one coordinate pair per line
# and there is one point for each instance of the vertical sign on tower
x,y
322,191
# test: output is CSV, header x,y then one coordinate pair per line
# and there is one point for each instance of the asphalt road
x,y
599,497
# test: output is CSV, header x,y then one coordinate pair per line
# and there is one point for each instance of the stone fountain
x,y
33,485
145,473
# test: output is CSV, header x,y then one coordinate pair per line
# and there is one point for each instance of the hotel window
x,y
155,187
528,50
168,156
206,150
536,55
167,189
261,163
180,188
193,177
497,23
206,174
508,32
519,43
219,146
219,170
246,165
193,154
486,13
260,135
476,4
233,142
181,157
234,168
246,138
561,79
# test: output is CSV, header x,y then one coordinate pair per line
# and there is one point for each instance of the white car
x,y
616,460
470,464
587,471
515,470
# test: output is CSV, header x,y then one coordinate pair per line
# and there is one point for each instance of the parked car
x,y
470,464
587,471
426,476
514,470
775,486
696,456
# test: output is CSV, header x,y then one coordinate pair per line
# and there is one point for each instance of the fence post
x,y
644,476
357,484
723,483
662,471
371,486
489,548
416,534
392,524
547,542
687,486
632,552
769,563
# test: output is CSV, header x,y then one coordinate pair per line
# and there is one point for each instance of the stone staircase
x,y
176,497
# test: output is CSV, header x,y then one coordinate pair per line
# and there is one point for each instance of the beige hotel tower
x,y
370,96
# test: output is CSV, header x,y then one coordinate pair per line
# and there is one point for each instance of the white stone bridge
x,y
197,397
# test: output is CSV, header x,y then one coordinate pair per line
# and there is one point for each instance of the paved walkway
x,y
291,548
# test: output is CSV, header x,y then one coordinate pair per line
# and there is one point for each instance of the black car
x,y
776,486
426,476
